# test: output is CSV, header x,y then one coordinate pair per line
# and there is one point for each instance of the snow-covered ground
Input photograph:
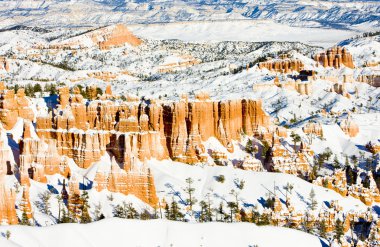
x,y
121,232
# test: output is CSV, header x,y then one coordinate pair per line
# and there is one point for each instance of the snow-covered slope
x,y
119,232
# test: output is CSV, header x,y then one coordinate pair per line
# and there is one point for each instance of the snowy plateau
x,y
190,123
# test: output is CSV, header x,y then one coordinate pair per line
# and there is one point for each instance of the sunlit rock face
x,y
335,57
12,106
284,65
131,133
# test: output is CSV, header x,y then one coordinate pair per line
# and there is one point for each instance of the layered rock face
x,y
131,133
13,106
282,65
40,157
137,130
137,180
335,57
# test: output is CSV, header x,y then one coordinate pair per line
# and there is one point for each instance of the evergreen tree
x,y
221,212
203,212
45,199
131,212
322,228
190,192
354,160
175,213
313,202
167,211
336,162
263,219
249,146
65,218
339,232
233,209
296,138
85,216
255,215
24,219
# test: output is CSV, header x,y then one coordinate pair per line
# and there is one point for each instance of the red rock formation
x,y
25,205
282,65
7,204
349,127
13,106
313,128
335,57
117,36
4,64
137,180
34,153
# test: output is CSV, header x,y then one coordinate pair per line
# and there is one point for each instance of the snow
x,y
114,232
170,181
241,30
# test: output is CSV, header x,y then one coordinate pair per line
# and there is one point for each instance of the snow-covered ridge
x,y
342,14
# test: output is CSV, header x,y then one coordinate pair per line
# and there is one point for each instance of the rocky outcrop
x,y
13,106
117,36
349,127
4,64
313,128
335,57
282,65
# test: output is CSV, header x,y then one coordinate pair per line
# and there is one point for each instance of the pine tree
x,y
203,212
85,216
296,138
336,163
233,209
167,211
249,146
313,202
221,211
65,218
175,213
24,219
255,215
131,212
190,192
339,232
45,198
322,228
354,160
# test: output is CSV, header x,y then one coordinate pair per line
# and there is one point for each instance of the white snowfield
x,y
241,30
121,232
